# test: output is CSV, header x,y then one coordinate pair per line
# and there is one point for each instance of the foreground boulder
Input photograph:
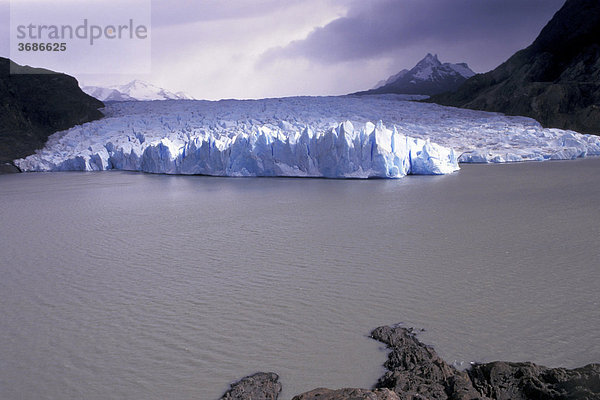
x,y
556,80
260,386
34,104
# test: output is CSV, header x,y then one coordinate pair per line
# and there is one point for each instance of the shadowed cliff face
x,y
556,80
35,105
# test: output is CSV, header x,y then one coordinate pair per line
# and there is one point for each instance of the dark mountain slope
x,y
36,104
556,80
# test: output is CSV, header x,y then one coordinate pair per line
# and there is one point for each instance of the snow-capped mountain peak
x,y
134,90
429,60
431,68
145,91
430,76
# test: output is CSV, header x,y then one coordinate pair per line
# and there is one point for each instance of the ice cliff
x,y
335,137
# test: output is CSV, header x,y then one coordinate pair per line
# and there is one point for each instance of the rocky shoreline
x,y
414,371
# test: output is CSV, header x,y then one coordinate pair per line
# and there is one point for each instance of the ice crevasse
x,y
342,151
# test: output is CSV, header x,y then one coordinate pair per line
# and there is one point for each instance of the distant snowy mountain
x,y
106,94
134,90
428,77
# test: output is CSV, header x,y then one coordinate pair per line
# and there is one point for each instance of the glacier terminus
x,y
380,136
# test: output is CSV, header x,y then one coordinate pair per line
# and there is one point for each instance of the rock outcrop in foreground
x,y
260,386
414,369
556,80
521,381
34,103
416,372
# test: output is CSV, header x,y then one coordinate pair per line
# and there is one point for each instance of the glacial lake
x,y
118,285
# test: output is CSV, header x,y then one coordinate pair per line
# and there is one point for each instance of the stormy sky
x,y
216,49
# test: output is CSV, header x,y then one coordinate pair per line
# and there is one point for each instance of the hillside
x,y
555,80
35,104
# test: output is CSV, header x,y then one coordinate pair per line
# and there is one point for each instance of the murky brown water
x,y
122,285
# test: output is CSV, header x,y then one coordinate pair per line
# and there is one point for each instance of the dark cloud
x,y
176,12
376,28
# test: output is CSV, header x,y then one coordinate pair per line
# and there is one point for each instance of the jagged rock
x,y
523,381
348,394
260,386
35,104
556,80
415,371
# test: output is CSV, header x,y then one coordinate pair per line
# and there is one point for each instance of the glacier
x,y
380,136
